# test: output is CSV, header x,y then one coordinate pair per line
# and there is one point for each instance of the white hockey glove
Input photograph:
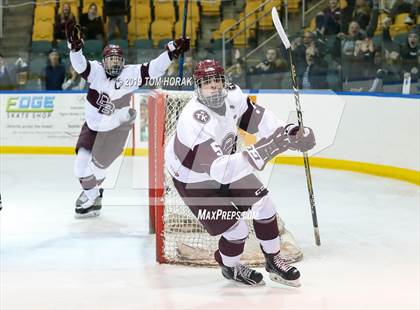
x,y
260,153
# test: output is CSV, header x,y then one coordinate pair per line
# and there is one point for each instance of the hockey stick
x,y
286,43
184,30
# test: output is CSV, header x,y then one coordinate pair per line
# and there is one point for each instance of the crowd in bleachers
x,y
355,40
347,46
49,65
141,24
11,74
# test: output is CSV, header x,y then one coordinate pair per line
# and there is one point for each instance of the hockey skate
x,y
280,271
86,208
240,273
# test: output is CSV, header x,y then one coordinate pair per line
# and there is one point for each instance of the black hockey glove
x,y
300,141
74,36
260,153
177,47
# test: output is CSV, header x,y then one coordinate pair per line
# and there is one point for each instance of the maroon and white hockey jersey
x,y
203,146
108,100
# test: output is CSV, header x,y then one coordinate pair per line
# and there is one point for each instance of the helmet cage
x,y
215,100
113,64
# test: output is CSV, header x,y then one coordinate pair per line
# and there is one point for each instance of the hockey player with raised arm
x,y
210,175
108,114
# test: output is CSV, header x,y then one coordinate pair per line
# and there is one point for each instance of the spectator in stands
x,y
390,67
314,76
22,72
338,19
172,72
406,6
364,59
410,55
8,76
54,73
269,73
348,42
92,24
61,20
188,66
298,46
347,57
188,72
361,13
116,11
271,63
320,26
344,47
308,39
332,18
74,80
236,73
173,69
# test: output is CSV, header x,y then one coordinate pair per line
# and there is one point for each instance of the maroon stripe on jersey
x,y
144,73
252,117
231,248
93,95
266,230
86,73
198,159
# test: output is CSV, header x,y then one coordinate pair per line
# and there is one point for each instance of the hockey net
x,y
180,238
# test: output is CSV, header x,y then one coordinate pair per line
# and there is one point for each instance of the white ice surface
x,y
369,258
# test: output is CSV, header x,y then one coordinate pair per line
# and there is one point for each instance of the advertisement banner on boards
x,y
41,119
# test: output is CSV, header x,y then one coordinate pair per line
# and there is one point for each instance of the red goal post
x,y
156,114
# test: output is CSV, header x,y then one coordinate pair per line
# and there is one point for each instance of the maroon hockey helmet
x,y
113,60
210,83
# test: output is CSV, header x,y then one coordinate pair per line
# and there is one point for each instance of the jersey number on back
x,y
105,106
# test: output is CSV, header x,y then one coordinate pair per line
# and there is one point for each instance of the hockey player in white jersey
x,y
210,175
109,117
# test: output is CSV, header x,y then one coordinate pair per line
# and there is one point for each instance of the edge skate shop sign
x,y
34,104
41,119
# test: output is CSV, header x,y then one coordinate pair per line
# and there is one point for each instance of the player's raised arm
x,y
158,66
75,43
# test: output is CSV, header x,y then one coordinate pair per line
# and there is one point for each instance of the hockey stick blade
x,y
279,28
